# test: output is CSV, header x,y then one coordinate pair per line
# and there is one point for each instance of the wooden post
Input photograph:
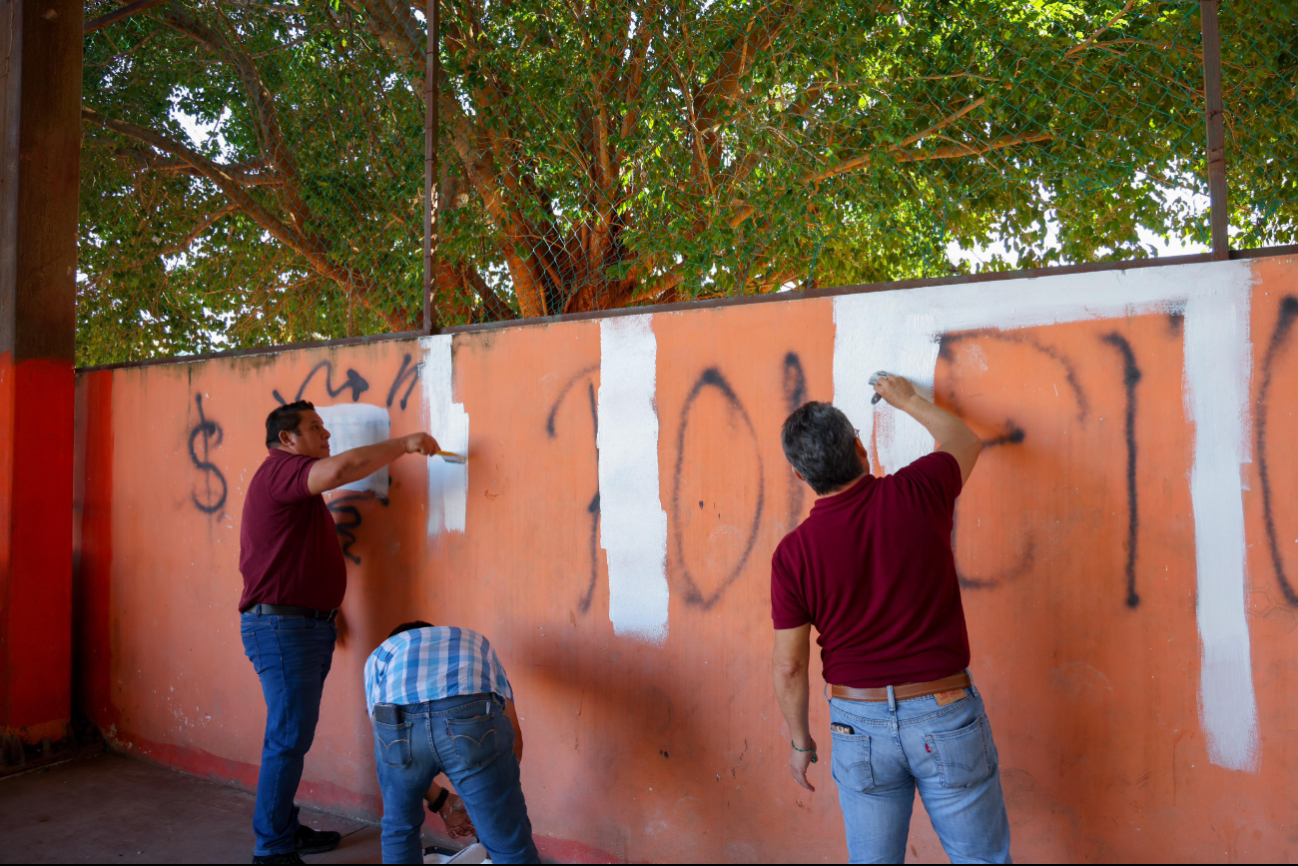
x,y
432,203
1217,185
40,147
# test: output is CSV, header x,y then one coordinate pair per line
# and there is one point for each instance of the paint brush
x,y
452,457
874,380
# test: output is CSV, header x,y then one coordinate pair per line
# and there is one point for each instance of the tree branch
x,y
941,124
633,76
1086,43
957,150
766,25
179,247
260,101
203,225
309,248
244,173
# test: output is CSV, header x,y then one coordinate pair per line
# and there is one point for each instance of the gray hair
x,y
820,443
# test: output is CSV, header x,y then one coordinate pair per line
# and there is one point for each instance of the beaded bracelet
x,y
812,750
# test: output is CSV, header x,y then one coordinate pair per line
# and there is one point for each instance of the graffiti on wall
x,y
407,374
694,575
207,434
896,331
583,377
347,518
1279,341
1130,379
793,385
1012,434
354,382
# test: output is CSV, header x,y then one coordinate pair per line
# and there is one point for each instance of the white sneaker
x,y
474,853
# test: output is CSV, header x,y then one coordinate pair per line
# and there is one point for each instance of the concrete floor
x,y
114,809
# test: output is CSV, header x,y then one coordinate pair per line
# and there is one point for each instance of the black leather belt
x,y
292,610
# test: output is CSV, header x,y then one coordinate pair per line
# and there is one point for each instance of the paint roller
x,y
874,380
452,457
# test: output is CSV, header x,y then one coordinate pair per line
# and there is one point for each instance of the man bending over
x,y
441,703
872,568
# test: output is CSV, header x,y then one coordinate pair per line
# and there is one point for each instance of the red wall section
x,y
1075,539
36,441
41,553
6,523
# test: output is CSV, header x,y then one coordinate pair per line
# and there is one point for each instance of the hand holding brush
x,y
427,445
874,381
897,390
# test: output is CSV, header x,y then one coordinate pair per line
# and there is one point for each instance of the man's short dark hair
x,y
410,626
820,443
285,419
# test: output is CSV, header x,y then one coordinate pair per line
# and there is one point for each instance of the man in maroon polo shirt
x,y
872,569
294,578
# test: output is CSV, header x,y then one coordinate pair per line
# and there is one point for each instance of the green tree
x,y
609,153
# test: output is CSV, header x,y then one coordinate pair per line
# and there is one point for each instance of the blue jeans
x,y
291,655
470,739
947,751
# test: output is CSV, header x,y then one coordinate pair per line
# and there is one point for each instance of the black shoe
x,y
290,857
310,841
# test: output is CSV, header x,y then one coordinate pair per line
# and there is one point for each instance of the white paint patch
x,y
883,331
898,331
1218,363
633,524
352,425
448,423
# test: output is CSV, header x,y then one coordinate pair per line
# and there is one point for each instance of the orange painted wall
x,y
675,751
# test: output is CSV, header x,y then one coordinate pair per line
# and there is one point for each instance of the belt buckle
x,y
332,615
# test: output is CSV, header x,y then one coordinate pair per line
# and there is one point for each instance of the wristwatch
x,y
436,805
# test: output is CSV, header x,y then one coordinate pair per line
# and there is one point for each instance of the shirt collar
x,y
845,496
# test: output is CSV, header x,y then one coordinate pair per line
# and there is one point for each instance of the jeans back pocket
x,y
393,743
850,762
479,740
964,756
250,647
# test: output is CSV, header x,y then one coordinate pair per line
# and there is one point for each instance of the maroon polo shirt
x,y
288,547
872,569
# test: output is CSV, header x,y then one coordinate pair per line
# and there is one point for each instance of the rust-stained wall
x,y
1131,725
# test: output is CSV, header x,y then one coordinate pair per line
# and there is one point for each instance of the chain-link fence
x,y
252,171
1259,57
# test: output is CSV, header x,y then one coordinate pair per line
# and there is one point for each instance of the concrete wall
x,y
1129,548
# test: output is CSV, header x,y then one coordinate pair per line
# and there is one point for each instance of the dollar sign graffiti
x,y
212,502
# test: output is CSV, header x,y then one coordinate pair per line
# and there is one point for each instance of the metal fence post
x,y
1217,187
432,72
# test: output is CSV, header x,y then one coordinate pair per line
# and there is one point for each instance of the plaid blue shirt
x,y
426,664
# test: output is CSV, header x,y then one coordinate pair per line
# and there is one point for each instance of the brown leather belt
x,y
903,692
